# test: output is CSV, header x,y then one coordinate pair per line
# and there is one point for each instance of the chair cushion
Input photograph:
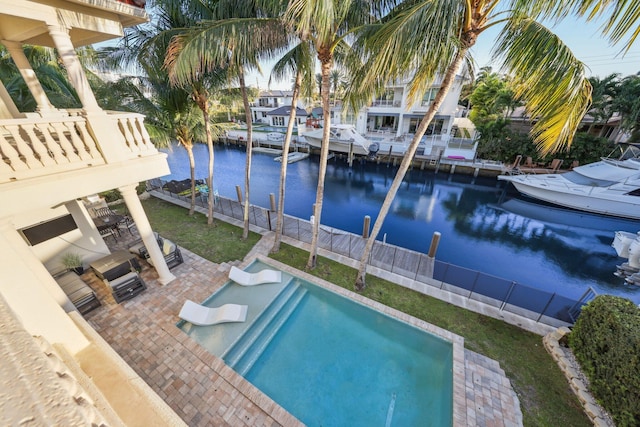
x,y
168,247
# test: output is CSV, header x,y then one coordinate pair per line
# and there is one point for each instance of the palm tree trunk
x,y
406,162
247,165
324,154
201,98
192,170
285,157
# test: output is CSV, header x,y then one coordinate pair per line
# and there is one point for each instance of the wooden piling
x,y
433,248
272,200
366,226
239,193
350,158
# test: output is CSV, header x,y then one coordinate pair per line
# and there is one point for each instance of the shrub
x,y
606,342
113,195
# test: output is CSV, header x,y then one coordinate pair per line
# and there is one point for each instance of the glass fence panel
x,y
526,301
460,277
559,307
491,290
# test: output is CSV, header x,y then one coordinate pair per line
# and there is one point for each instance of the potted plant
x,y
73,261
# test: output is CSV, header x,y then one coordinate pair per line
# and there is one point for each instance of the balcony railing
x,y
33,147
387,103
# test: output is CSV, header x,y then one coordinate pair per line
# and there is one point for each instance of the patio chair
x,y
108,232
514,168
170,252
126,224
101,212
200,315
250,279
555,165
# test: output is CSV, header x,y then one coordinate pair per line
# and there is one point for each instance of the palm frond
x,y
548,78
231,43
418,39
299,59
621,17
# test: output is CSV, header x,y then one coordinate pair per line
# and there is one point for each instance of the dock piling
x,y
366,226
433,248
272,200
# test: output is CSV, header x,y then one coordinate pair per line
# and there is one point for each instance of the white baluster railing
x,y
131,125
39,146
36,146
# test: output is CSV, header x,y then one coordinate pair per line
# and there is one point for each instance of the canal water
x,y
485,224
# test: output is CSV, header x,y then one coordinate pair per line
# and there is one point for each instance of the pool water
x,y
331,361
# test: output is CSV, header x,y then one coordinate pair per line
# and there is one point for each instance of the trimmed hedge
x,y
606,342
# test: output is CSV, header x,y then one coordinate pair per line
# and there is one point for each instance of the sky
x,y
584,39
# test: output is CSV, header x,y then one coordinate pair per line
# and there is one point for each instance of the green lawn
x,y
544,393
219,243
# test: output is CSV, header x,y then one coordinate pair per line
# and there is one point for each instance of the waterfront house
x,y
268,101
280,116
52,161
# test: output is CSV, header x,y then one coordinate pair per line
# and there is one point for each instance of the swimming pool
x,y
329,360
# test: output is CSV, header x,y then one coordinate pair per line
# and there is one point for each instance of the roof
x,y
276,93
285,111
317,112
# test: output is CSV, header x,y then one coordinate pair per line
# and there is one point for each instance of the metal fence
x,y
535,304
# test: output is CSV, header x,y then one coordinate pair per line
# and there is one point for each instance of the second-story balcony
x,y
386,103
38,146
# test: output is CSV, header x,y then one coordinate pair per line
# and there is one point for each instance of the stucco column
x,y
33,294
75,72
8,109
103,127
29,76
144,228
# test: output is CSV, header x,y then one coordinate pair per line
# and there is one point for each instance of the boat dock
x,y
436,161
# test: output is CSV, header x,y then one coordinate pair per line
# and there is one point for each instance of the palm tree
x,y
145,48
336,81
429,38
169,115
627,103
300,61
326,23
604,93
233,40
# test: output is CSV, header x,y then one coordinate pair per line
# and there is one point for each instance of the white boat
x,y
296,156
275,136
343,139
267,150
608,187
627,245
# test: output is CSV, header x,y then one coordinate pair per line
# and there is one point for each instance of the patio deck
x,y
202,390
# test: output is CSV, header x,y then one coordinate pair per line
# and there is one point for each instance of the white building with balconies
x,y
393,113
50,160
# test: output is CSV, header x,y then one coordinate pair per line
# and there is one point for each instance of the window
x,y
278,121
385,99
430,95
435,128
49,229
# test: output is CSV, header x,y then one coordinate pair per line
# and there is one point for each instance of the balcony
x,y
386,103
32,147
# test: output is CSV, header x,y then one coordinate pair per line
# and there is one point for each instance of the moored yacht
x,y
609,187
343,139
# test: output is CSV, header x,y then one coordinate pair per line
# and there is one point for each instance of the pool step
x,y
235,352
255,349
